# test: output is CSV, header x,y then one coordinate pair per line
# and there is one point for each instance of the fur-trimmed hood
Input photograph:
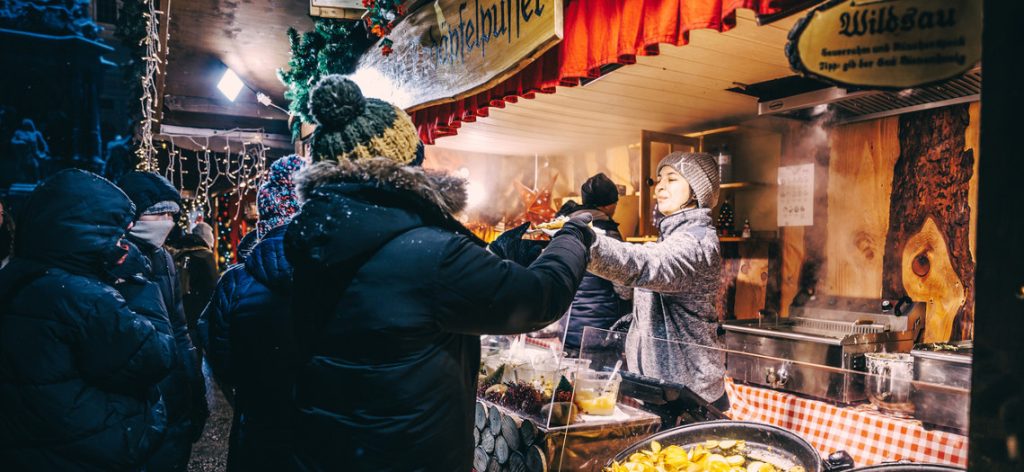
x,y
443,190
351,209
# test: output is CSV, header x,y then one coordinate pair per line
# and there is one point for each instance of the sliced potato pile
x,y
712,456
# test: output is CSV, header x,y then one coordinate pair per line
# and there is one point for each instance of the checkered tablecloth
x,y
869,437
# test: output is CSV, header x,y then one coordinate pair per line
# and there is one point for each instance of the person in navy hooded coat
x,y
78,368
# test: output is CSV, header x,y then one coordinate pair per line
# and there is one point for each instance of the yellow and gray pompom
x,y
353,127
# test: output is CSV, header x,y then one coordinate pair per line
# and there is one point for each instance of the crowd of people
x,y
348,336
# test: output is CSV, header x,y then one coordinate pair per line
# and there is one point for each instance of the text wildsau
x,y
481,22
887,21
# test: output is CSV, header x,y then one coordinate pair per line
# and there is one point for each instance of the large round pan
x,y
909,467
765,442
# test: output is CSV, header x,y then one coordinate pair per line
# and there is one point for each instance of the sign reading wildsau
x,y
451,49
887,44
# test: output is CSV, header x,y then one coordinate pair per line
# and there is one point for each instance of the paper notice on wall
x,y
796,195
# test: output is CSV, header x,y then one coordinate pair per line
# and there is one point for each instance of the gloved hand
x,y
510,245
579,227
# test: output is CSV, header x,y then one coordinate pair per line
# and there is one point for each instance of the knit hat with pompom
x,y
351,126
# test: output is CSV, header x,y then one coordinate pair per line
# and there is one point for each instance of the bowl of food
x,y
721,446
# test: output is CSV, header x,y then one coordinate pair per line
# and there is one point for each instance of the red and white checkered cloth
x,y
869,437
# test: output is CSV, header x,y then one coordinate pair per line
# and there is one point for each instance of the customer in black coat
x,y
157,203
78,368
598,303
247,334
391,294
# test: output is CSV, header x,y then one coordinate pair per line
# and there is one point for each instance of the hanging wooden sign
x,y
343,9
451,49
887,44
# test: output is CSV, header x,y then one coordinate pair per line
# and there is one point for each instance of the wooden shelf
x,y
738,185
721,239
737,239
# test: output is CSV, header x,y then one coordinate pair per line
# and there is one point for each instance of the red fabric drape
x,y
597,33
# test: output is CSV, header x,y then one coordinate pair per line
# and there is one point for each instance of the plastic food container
x,y
597,392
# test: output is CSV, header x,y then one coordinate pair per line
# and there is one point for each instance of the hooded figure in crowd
x,y
598,303
78,368
156,205
247,334
391,293
197,272
676,281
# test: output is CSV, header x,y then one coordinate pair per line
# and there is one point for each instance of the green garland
x,y
328,49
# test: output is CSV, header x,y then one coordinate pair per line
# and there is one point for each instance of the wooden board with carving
x,y
927,249
863,156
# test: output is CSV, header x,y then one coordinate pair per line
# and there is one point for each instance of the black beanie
x,y
599,191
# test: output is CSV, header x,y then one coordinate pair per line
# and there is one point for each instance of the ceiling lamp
x,y
230,84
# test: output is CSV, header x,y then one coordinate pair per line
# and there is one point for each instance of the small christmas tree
x,y
725,219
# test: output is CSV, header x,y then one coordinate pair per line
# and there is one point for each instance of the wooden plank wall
x,y
895,202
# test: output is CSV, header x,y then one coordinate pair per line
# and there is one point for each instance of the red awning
x,y
597,33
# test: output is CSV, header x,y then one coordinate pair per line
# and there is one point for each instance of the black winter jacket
x,y
78,368
186,397
246,331
197,276
391,295
596,304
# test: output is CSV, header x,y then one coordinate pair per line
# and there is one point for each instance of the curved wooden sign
x,y
887,44
451,49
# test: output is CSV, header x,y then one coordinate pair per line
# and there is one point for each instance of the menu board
x,y
796,195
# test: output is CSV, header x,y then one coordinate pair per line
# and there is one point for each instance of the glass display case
x,y
540,410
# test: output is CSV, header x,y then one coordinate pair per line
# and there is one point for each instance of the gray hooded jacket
x,y
676,281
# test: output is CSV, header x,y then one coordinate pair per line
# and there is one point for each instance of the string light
x,y
146,150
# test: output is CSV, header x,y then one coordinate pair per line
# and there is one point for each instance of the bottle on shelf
x,y
724,164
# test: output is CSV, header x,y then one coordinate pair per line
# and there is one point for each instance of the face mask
x,y
153,232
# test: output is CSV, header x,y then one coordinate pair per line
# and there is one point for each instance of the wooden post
x,y
535,461
527,433
480,459
480,420
516,462
487,441
501,449
494,417
510,431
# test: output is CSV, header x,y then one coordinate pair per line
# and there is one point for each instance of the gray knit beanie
x,y
700,169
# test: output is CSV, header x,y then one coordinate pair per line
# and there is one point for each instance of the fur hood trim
x,y
440,188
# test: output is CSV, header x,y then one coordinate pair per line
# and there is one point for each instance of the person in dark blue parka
x,y
246,331
391,293
598,303
78,368
156,204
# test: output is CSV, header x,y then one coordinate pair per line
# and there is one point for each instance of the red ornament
x,y
537,204
386,50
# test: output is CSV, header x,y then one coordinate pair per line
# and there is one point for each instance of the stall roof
x,y
682,89
249,36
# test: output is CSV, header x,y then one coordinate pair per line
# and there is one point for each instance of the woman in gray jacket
x,y
676,281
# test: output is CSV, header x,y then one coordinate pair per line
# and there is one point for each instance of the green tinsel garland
x,y
328,49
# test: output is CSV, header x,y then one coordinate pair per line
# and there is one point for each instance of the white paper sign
x,y
796,195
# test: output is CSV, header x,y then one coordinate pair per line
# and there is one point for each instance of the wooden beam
x,y
216,107
217,139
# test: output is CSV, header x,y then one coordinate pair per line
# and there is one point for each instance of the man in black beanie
x,y
600,193
598,303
